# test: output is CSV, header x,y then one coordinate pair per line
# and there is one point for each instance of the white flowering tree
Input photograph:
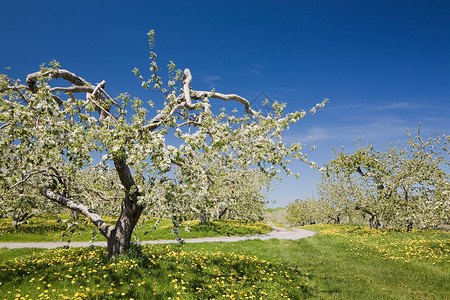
x,y
338,195
50,135
305,211
22,204
404,185
237,194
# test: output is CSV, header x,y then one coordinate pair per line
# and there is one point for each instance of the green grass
x,y
160,272
341,262
48,229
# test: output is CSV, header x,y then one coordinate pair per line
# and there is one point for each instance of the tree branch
x,y
58,100
94,217
73,89
185,101
124,172
101,110
159,119
197,95
17,88
64,74
28,177
186,81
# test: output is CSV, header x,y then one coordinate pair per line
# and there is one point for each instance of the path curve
x,y
277,233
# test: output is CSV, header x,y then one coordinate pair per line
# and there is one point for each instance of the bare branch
x,y
186,81
101,110
18,89
189,122
197,95
99,86
185,101
58,100
73,89
94,217
64,74
159,119
124,172
109,98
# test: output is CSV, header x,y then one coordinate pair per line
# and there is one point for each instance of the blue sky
x,y
385,65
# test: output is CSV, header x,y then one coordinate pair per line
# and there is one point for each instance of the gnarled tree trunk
x,y
118,236
373,220
119,239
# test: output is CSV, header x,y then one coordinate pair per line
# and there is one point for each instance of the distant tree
x,y
305,211
50,136
404,185
338,195
236,194
22,202
21,205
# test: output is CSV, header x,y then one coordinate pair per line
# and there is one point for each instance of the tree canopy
x,y
79,147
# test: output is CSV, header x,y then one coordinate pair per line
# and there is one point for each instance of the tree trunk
x,y
203,218
373,220
118,236
119,240
18,219
15,223
408,225
222,213
74,215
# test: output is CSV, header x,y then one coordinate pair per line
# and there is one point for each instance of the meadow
x,y
340,262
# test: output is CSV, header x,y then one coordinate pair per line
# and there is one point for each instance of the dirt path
x,y
277,233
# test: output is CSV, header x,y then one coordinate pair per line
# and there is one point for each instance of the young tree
x,y
50,135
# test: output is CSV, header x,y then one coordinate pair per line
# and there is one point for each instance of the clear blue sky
x,y
385,65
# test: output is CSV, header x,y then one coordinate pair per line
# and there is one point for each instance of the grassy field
x,y
341,262
55,228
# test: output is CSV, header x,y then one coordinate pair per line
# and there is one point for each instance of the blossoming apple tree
x,y
403,185
50,135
